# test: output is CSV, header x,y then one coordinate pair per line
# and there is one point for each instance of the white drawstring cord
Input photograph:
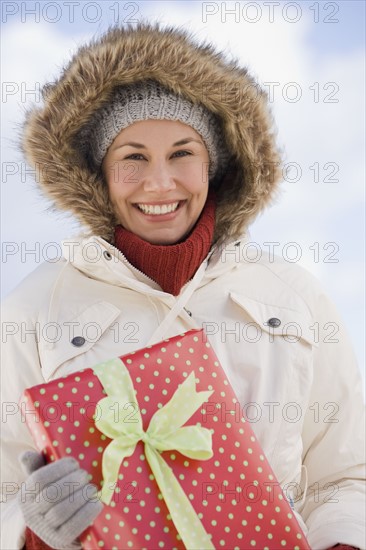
x,y
159,333
305,489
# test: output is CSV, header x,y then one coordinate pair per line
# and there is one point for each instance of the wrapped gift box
x,y
233,495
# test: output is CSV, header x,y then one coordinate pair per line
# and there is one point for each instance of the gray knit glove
x,y
57,501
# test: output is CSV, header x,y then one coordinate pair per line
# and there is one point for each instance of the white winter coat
x,y
298,382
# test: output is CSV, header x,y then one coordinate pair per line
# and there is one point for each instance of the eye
x,y
181,153
135,156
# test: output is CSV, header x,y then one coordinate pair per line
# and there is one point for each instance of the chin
x,y
164,240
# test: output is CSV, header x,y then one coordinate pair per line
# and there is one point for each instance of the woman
x,y
164,151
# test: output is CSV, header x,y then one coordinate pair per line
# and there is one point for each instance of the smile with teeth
x,y
158,209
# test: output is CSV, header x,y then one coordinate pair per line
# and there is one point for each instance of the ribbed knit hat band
x,y
149,100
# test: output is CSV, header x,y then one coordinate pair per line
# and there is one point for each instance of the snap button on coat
x,y
274,322
78,341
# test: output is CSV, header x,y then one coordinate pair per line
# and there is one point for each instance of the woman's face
x,y
157,176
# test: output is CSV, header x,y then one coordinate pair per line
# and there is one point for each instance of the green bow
x,y
166,431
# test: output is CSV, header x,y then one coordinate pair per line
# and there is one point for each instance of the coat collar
x,y
102,261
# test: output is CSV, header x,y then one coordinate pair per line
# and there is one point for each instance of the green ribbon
x,y
118,417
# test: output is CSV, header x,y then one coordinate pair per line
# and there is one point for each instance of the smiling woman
x,y
165,152
159,193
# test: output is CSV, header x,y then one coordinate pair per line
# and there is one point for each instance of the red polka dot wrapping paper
x,y
235,493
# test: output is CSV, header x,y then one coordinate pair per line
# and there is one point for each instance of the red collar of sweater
x,y
171,266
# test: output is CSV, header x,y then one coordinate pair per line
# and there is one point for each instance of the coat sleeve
x,y
33,542
20,368
333,436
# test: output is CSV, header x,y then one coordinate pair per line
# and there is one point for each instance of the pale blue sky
x,y
327,38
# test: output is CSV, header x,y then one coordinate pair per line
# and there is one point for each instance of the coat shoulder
x,y
34,290
299,280
291,273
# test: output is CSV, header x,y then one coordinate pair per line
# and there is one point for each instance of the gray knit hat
x,y
150,100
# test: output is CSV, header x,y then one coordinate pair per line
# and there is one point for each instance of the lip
x,y
160,217
157,203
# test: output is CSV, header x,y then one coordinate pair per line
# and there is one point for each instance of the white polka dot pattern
x,y
235,493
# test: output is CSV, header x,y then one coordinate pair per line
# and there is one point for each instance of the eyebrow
x,y
141,146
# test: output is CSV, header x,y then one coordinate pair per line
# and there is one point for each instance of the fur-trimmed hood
x,y
174,58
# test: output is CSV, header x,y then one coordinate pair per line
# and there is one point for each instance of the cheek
x,y
113,190
123,176
196,179
118,185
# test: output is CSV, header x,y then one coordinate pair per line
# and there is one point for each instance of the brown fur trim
x,y
174,58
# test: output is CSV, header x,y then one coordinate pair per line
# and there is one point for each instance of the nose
x,y
158,178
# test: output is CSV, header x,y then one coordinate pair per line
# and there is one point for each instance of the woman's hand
x,y
56,499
